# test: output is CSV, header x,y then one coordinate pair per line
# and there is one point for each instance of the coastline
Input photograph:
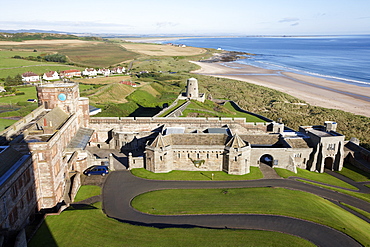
x,y
315,91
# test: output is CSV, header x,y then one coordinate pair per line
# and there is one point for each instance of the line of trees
x,y
57,58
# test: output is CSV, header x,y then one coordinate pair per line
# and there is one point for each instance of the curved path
x,y
121,187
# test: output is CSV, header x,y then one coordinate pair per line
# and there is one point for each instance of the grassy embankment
x,y
234,201
348,171
197,175
80,227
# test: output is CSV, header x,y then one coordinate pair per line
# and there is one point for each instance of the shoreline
x,y
314,90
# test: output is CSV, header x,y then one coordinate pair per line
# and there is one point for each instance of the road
x,y
121,187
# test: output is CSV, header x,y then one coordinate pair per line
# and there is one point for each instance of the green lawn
x,y
354,173
362,196
90,227
4,123
197,175
211,109
315,176
30,93
277,201
87,191
364,213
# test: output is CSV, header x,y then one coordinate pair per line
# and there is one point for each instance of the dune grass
x,y
196,175
315,176
276,201
90,227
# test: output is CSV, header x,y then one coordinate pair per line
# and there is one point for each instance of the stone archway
x,y
329,163
267,159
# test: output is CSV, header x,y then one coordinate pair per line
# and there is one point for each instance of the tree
x,y
58,58
18,79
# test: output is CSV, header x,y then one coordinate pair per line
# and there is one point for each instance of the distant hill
x,y
21,35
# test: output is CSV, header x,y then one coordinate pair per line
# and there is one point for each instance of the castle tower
x,y
62,95
192,88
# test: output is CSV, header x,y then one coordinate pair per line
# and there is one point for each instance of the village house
x,y
50,76
118,70
70,73
104,72
128,83
90,72
30,77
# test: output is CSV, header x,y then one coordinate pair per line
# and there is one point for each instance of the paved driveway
x,y
121,187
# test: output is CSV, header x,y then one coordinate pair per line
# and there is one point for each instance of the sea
x,y
338,58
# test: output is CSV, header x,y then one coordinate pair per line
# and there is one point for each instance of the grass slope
x,y
196,175
90,227
318,177
354,173
87,191
254,201
111,93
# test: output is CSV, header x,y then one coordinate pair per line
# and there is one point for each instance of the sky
x,y
190,17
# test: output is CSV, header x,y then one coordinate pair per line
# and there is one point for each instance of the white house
x,y
105,72
118,70
50,76
89,72
30,77
70,73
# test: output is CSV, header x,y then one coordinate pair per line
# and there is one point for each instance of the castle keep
x,y
43,155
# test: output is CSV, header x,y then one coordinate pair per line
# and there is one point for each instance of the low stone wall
x,y
167,108
179,110
20,124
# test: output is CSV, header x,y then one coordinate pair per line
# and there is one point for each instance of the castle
x,y
43,155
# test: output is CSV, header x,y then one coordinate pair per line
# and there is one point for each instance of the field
x,y
83,53
162,50
11,67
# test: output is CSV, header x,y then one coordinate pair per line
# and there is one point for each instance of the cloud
x,y
295,24
289,20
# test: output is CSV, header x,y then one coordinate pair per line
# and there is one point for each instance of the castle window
x,y
216,156
331,146
236,158
179,155
207,156
198,156
161,158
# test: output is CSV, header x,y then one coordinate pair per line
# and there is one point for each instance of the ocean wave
x,y
289,69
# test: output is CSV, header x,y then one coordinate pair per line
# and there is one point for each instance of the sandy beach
x,y
315,91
